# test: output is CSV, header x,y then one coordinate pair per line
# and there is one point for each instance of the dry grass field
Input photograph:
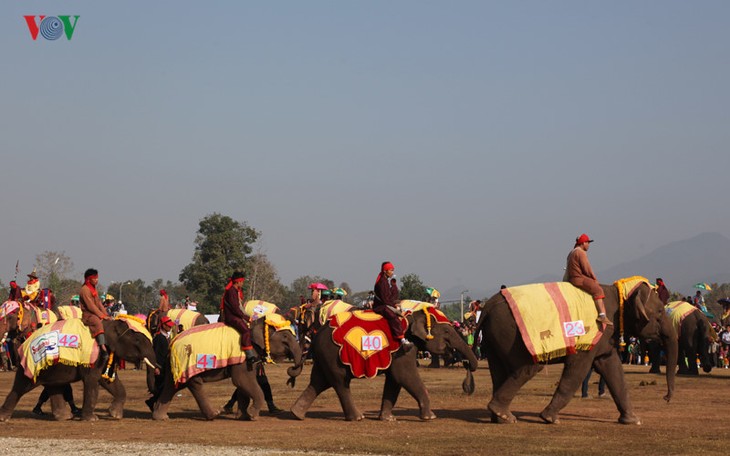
x,y
695,422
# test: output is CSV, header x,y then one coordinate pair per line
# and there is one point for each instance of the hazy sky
x,y
467,142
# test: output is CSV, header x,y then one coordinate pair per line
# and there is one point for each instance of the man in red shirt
x,y
580,273
385,300
93,312
232,314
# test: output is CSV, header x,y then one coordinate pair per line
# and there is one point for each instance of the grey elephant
x,y
511,365
123,342
328,370
281,344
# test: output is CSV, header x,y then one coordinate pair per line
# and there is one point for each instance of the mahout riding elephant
x,y
123,342
640,314
184,317
269,341
328,370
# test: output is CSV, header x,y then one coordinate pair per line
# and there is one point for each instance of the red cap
x,y
166,321
582,238
388,266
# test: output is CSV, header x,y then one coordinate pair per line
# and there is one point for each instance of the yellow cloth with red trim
x,y
409,305
678,311
332,307
202,348
554,319
68,312
44,316
8,307
365,341
183,317
255,309
135,324
279,323
63,342
425,307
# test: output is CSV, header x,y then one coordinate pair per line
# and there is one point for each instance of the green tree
x,y
222,246
413,288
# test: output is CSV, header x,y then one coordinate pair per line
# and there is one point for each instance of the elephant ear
x,y
642,295
418,326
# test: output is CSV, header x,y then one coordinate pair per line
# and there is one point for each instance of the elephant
x,y
329,371
695,335
123,343
186,318
511,364
282,343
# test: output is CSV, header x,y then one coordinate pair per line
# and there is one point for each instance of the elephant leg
x,y
248,387
574,371
317,384
506,384
611,369
391,390
59,407
119,397
91,394
195,385
404,374
21,386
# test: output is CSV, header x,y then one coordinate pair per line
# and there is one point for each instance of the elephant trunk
x,y
296,369
671,343
470,362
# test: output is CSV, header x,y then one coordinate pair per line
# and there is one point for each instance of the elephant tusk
x,y
147,362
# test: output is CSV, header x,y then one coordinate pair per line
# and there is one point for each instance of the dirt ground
x,y
694,422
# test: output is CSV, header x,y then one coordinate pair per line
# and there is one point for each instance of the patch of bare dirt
x,y
693,423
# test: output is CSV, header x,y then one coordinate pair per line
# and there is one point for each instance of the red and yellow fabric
x,y
68,312
255,309
349,329
549,317
409,305
217,345
8,307
44,316
63,342
183,317
678,311
430,311
135,324
332,307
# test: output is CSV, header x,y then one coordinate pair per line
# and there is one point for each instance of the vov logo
x,y
51,27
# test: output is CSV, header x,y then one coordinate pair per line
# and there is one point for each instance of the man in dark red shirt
x,y
385,300
232,314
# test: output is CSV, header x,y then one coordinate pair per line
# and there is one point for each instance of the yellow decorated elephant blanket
x,y
65,341
204,348
331,308
678,311
555,319
183,317
68,312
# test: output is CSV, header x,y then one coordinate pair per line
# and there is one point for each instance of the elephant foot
x,y
386,417
501,416
428,416
63,416
629,419
211,415
549,418
358,417
160,416
298,411
89,417
4,417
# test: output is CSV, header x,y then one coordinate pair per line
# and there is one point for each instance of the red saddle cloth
x,y
365,341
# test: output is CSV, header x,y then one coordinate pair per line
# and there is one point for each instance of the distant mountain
x,y
703,258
